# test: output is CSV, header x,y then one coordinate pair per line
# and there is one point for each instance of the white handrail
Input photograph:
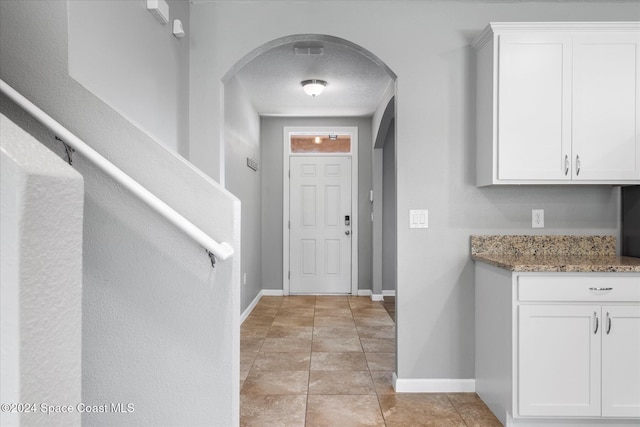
x,y
221,250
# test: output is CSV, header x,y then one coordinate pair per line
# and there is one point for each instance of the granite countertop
x,y
552,253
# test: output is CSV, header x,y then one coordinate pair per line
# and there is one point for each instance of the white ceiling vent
x,y
309,50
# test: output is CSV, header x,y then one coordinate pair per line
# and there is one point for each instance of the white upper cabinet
x,y
557,103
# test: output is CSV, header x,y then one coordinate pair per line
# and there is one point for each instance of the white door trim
x,y
353,130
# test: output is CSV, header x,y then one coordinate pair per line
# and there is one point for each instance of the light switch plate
x,y
418,218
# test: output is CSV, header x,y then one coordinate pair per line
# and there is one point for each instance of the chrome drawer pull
x,y
566,164
600,289
608,323
595,330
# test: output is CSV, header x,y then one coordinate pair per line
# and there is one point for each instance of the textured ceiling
x,y
355,82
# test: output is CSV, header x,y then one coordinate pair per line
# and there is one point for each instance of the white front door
x,y
320,215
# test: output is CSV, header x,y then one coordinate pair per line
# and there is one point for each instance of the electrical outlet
x,y
537,218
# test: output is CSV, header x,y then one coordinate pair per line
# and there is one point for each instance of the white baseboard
x,y
375,297
388,293
436,385
262,293
250,308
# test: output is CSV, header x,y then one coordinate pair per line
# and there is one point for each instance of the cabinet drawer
x,y
579,288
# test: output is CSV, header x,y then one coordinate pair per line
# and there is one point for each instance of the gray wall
x,y
427,45
139,59
242,141
389,220
160,328
272,145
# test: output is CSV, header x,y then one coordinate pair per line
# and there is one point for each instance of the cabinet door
x,y
606,117
621,361
534,101
558,360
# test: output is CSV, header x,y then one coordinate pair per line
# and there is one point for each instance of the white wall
x,y
272,130
242,141
160,327
141,71
427,45
41,280
389,214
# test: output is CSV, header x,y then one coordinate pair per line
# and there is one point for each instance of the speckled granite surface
x,y
552,253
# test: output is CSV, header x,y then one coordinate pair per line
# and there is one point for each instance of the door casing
x,y
288,131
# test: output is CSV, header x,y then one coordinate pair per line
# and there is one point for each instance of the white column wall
x,y
41,274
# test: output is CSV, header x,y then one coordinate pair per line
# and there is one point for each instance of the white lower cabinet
x,y
558,360
559,348
621,361
579,360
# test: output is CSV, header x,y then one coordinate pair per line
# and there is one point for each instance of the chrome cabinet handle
x,y
347,232
595,330
577,165
600,289
608,323
566,164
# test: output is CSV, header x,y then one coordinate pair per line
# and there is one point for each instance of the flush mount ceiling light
x,y
313,87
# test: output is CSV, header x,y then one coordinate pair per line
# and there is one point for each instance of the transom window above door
x,y
320,144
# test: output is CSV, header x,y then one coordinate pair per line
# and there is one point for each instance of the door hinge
x,y
289,224
289,276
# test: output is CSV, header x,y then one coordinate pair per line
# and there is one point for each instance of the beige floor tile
x,y
296,312
272,410
473,410
332,312
377,331
335,332
342,304
419,409
333,321
370,312
270,301
343,411
298,301
254,331
304,332
378,345
276,382
363,302
280,345
282,362
292,321
340,382
264,310
381,361
250,344
246,360
336,345
383,382
374,321
243,376
252,321
338,362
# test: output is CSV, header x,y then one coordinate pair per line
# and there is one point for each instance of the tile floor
x,y
328,361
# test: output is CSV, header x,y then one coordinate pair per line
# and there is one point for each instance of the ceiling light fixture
x,y
313,87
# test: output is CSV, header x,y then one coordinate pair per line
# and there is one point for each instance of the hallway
x,y
328,361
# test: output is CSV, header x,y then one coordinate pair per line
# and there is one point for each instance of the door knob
x,y
347,232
